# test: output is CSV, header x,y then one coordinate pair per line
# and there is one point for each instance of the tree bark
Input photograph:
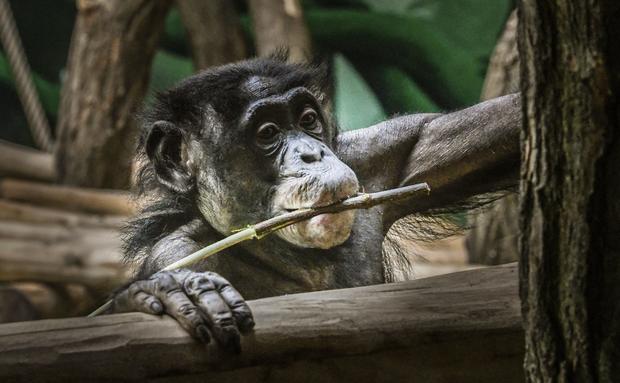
x,y
108,70
213,30
463,327
493,239
570,208
280,24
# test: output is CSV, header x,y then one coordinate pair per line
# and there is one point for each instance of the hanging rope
x,y
26,91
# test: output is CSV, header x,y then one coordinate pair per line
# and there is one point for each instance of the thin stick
x,y
261,229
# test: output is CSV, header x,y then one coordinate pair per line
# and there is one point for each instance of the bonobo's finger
x,y
140,298
179,306
216,311
137,297
241,311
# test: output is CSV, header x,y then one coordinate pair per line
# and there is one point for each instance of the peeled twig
x,y
261,229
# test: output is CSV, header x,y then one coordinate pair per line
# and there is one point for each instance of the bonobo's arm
x,y
459,154
204,303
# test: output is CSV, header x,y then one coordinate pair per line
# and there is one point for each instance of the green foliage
x,y
401,55
355,104
397,91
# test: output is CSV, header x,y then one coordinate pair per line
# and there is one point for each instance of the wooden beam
x,y
67,197
22,212
56,254
23,162
462,327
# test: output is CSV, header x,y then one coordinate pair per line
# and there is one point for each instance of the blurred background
x,y
68,102
387,56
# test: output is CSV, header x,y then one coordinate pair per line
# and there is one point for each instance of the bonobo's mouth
x,y
316,205
322,231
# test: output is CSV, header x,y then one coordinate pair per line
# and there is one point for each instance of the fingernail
x,y
156,307
203,333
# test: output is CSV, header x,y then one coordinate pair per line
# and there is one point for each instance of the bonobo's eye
x,y
267,133
308,120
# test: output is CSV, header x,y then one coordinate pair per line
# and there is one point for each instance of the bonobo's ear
x,y
166,150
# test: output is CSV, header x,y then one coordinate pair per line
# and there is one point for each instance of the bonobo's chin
x,y
323,231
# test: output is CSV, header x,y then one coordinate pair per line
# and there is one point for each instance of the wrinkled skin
x,y
238,144
202,303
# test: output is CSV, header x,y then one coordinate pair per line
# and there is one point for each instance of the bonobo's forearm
x,y
464,153
470,151
459,154
172,247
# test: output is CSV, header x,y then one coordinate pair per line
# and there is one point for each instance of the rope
x,y
24,85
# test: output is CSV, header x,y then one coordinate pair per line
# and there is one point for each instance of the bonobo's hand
x,y
205,304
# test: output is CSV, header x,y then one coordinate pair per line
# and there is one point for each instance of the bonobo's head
x,y
246,141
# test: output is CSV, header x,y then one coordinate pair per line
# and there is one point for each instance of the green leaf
x,y
445,71
356,106
396,90
472,24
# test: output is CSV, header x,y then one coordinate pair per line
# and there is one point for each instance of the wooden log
x,y
54,234
23,162
55,266
462,327
47,253
67,197
28,213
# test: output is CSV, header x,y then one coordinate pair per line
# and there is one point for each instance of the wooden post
x,y
109,64
213,30
280,24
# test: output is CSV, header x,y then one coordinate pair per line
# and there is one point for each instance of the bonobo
x,y
238,144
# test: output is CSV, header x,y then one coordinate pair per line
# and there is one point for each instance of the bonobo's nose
x,y
309,152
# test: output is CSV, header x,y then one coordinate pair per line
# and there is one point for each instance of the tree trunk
x,y
570,208
213,30
494,235
109,63
280,24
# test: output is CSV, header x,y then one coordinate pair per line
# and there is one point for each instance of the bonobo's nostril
x,y
310,153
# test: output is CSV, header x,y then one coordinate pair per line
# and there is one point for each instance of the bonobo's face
x,y
275,158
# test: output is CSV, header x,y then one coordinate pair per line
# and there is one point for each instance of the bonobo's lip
x,y
315,205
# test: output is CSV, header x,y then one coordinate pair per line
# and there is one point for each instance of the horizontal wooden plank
x,y
23,162
461,327
24,212
67,197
